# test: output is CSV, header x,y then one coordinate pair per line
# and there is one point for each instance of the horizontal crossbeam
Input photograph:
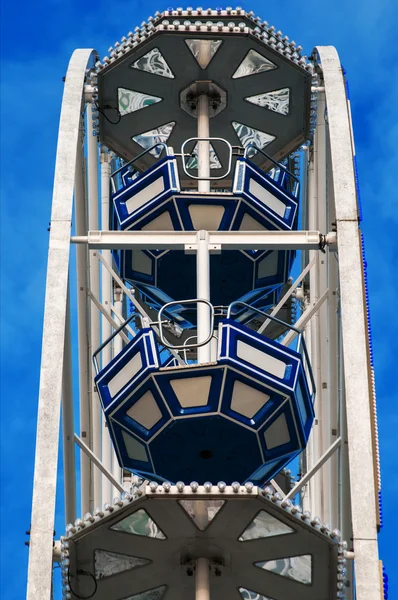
x,y
185,240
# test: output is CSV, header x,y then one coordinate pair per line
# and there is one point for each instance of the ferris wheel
x,y
227,435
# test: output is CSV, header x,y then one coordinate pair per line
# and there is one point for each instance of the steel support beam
x,y
68,426
284,298
353,318
81,225
94,338
98,464
304,319
184,240
52,357
106,325
117,348
319,463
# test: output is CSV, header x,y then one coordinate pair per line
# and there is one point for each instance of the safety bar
x,y
279,165
179,302
207,139
110,338
262,312
133,160
187,347
301,344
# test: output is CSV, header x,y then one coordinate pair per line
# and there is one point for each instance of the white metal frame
x,y
362,477
45,478
341,448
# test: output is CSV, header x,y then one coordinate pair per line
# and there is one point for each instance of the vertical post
x,y
68,425
82,325
314,348
203,147
335,415
202,255
202,580
94,340
106,329
203,292
324,399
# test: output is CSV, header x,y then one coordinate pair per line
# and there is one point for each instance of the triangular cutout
x,y
214,160
295,567
264,525
250,595
253,63
130,101
203,50
155,136
249,135
277,100
202,512
110,563
153,594
155,63
139,523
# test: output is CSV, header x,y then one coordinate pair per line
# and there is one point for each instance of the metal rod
x,y
203,291
289,292
94,338
185,240
68,425
106,322
137,305
162,145
110,321
202,579
82,326
316,433
303,320
108,340
307,493
324,397
276,487
117,348
203,130
93,458
335,415
319,463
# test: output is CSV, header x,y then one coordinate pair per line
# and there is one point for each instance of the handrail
x,y
192,301
301,343
110,338
206,139
133,160
279,165
191,337
262,312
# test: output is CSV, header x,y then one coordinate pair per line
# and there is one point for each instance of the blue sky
x,y
37,40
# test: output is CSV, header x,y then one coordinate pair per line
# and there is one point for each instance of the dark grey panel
x,y
219,542
290,130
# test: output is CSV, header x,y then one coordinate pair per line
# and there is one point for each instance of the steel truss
x,y
343,445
